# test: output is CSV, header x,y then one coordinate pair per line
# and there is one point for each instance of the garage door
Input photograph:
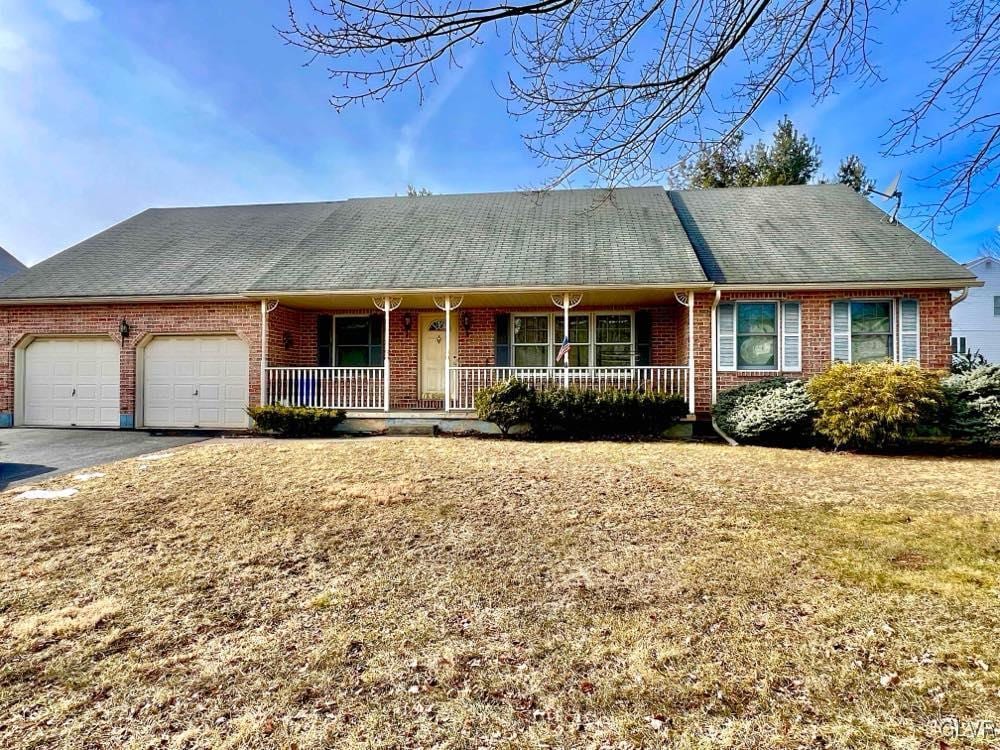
x,y
196,381
71,383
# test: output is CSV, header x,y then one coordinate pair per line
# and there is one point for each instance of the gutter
x,y
960,297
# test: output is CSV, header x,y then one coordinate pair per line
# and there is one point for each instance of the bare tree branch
x,y
621,90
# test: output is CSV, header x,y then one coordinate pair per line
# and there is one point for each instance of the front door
x,y
432,355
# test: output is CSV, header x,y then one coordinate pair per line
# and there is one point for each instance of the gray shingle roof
x,y
800,234
558,238
563,238
9,265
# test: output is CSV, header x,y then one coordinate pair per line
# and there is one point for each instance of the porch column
x,y
691,391
386,305
447,305
265,309
567,302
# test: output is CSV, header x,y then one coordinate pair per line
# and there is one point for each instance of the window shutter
x,y
501,340
324,340
376,332
726,323
841,344
909,330
643,338
791,332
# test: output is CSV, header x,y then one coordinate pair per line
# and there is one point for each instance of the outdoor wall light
x,y
466,321
123,329
407,321
287,340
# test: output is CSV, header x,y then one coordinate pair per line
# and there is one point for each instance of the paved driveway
x,y
30,453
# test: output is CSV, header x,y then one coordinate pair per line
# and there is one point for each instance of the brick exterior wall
x,y
16,323
292,333
935,332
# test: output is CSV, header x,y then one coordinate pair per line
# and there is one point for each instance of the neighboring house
x,y
975,322
9,265
181,317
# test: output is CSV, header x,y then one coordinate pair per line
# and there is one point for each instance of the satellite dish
x,y
891,191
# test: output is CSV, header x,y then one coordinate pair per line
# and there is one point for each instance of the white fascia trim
x,y
112,300
940,284
437,290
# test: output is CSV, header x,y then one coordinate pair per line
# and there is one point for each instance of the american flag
x,y
564,350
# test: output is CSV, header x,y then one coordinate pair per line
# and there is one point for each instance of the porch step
x,y
410,428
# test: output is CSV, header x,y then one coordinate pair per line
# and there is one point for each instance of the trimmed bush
x,y
295,421
572,413
973,399
874,404
774,411
506,404
583,414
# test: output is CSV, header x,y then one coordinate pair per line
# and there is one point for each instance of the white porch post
x,y
447,305
265,308
566,338
447,353
691,351
386,305
566,302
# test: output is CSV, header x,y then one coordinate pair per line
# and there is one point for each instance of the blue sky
x,y
108,107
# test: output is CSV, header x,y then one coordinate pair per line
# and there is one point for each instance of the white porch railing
x,y
466,382
326,387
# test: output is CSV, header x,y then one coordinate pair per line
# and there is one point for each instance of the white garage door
x,y
196,381
71,383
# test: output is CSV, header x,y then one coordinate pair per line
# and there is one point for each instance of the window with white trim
x,y
613,342
759,335
958,345
996,306
357,340
531,341
597,339
579,337
865,330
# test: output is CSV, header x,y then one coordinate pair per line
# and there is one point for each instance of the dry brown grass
x,y
462,593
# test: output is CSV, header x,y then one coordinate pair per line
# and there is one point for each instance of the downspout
x,y
715,385
960,297
715,304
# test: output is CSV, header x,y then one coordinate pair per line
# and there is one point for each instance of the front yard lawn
x,y
468,593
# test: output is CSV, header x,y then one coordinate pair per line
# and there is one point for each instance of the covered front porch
x,y
408,355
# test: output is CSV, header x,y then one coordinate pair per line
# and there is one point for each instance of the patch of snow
x,y
85,477
156,456
47,494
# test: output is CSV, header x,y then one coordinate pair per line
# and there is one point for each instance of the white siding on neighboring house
x,y
977,318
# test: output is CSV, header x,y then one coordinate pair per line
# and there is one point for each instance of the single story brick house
x,y
403,308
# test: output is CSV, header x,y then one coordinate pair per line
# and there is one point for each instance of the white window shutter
x,y
841,341
726,323
791,334
909,330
